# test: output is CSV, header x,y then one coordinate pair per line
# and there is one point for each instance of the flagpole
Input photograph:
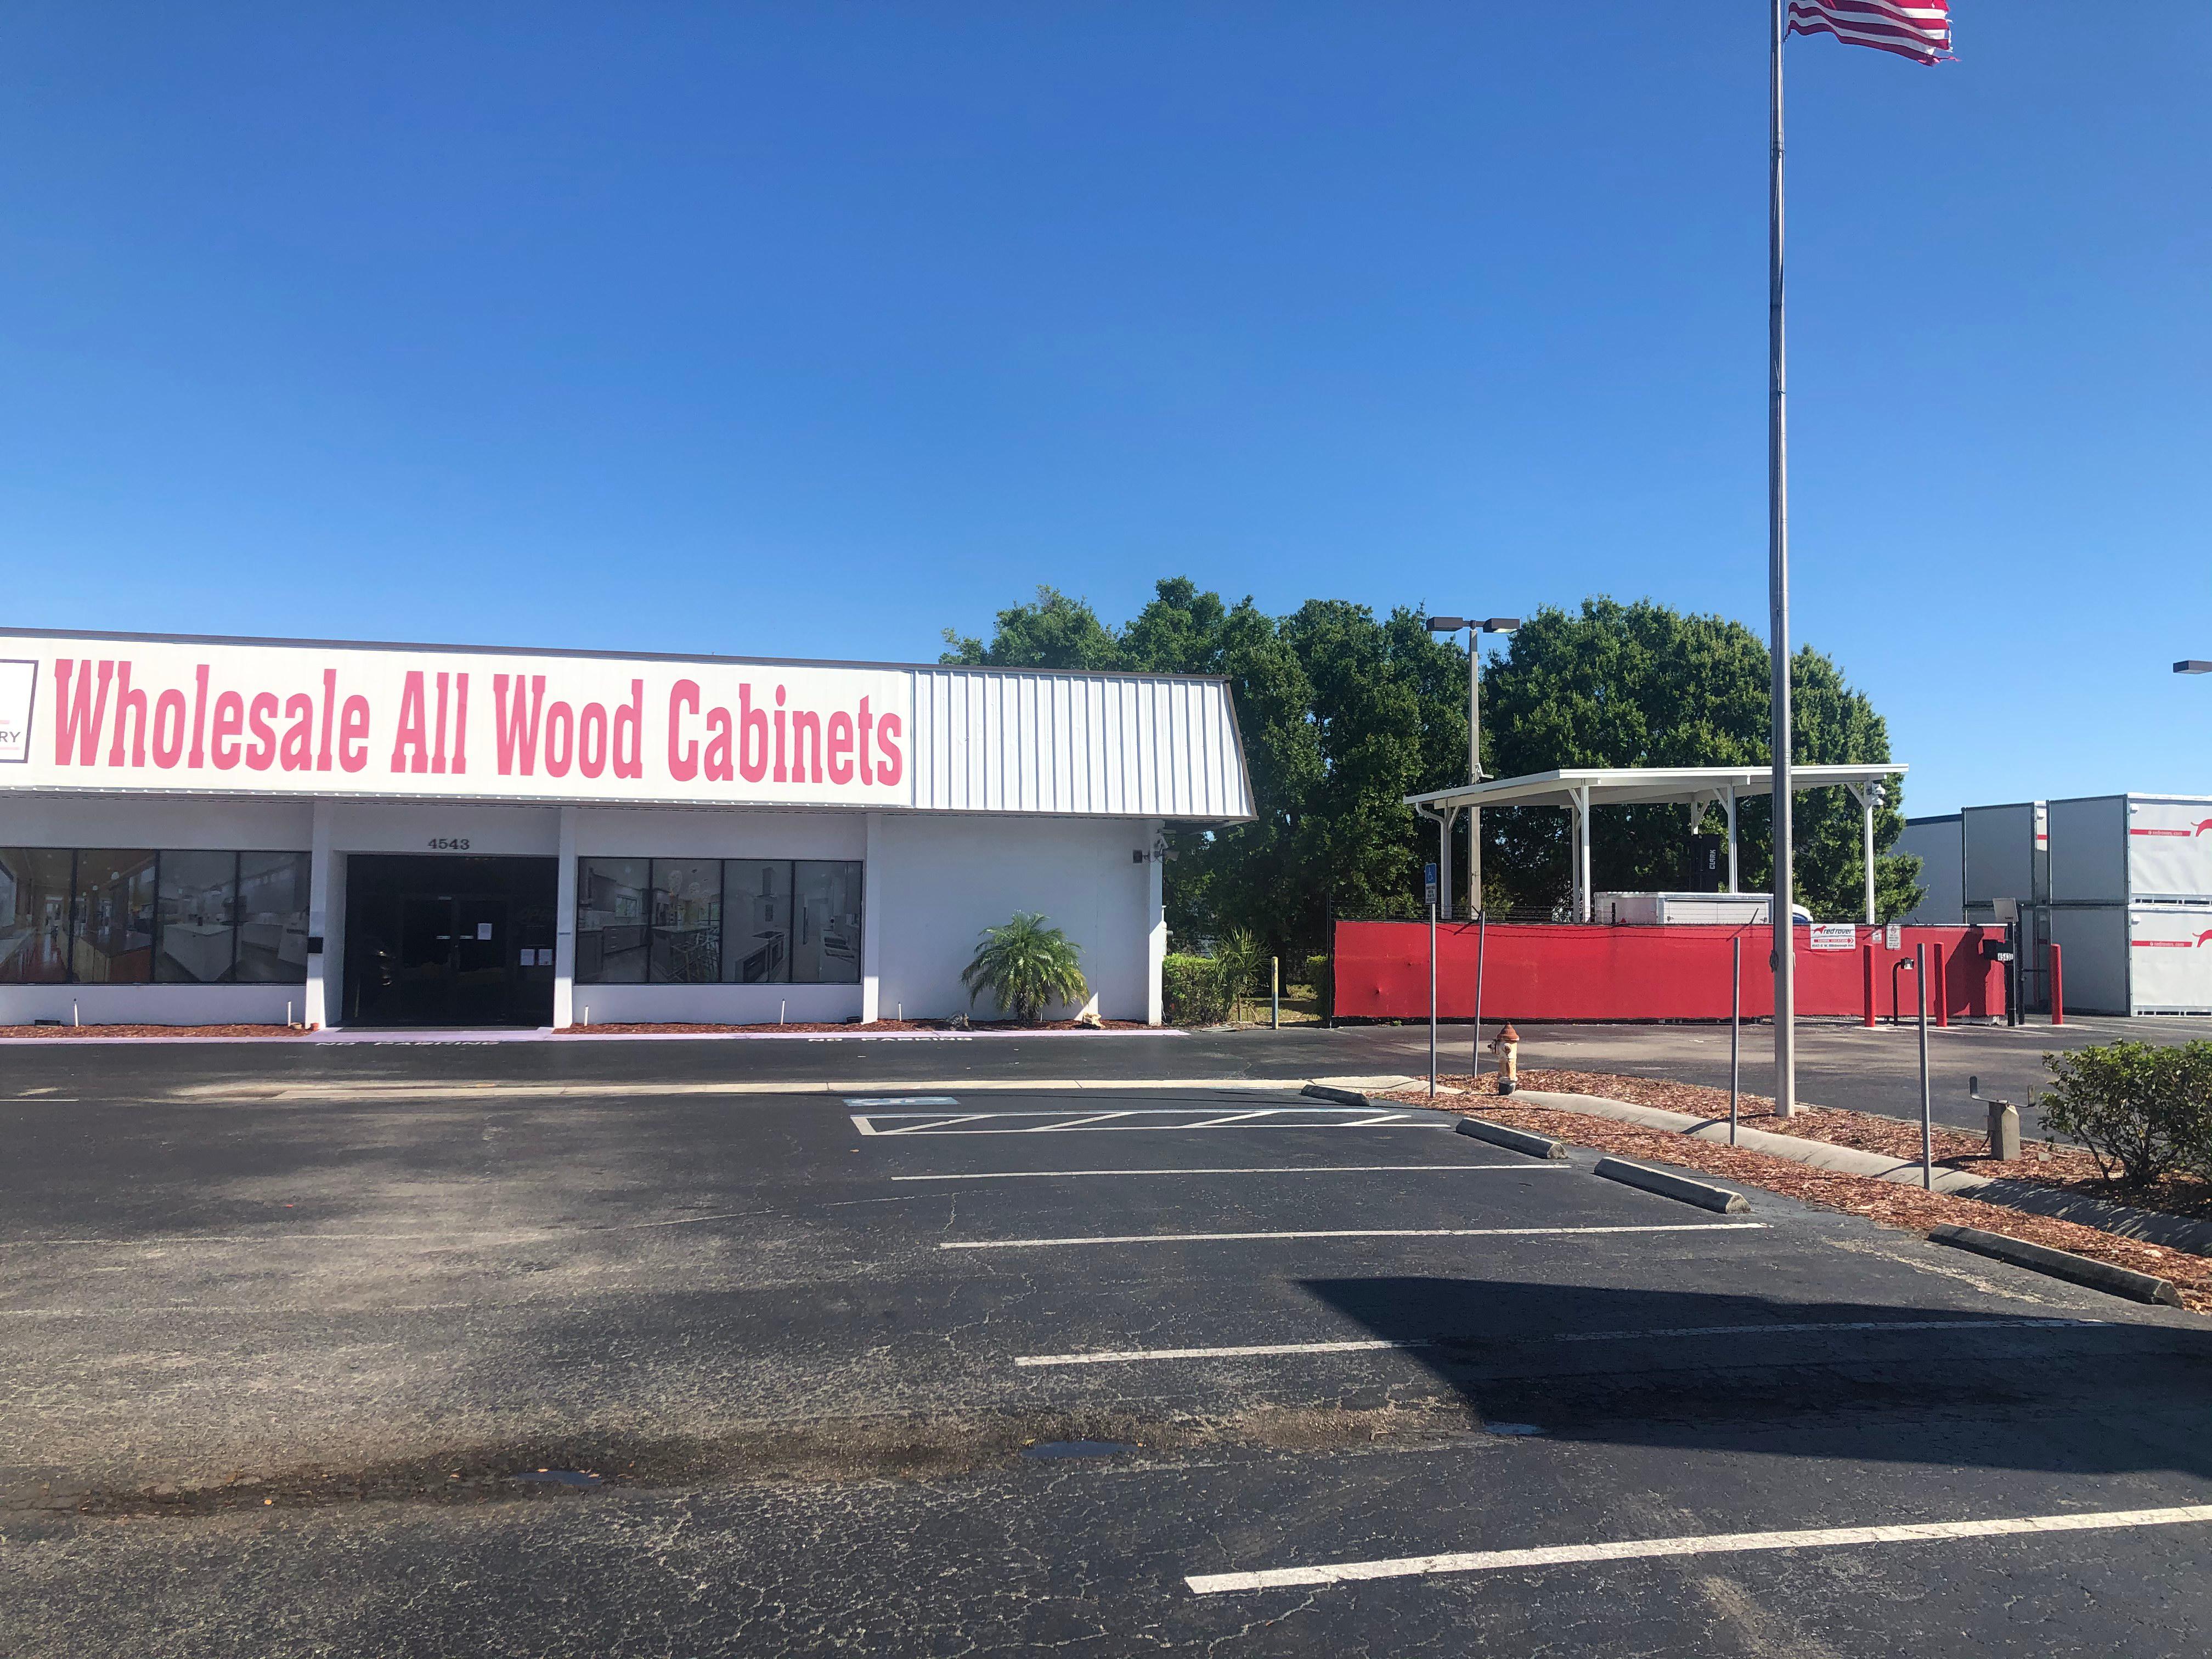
x,y
1781,914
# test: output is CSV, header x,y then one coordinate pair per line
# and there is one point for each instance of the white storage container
x,y
2169,959
2136,958
1940,845
2130,849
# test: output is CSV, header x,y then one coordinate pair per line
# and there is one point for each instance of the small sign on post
x,y
1894,936
1429,883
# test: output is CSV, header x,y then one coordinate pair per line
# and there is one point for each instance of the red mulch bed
x,y
152,1030
1890,1203
2047,1164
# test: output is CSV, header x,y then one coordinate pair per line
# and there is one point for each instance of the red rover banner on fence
x,y
1572,972
209,717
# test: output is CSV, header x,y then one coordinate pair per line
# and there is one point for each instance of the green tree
x,y
1643,684
1343,714
1026,966
1051,631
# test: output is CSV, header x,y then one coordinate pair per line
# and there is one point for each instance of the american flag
x,y
1920,30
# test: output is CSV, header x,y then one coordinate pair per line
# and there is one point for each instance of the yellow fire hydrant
x,y
1506,1045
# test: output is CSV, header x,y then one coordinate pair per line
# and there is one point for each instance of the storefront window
x,y
825,946
756,931
687,921
34,898
111,930
740,921
612,895
272,916
197,906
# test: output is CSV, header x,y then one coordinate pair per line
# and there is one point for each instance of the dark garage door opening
x,y
448,941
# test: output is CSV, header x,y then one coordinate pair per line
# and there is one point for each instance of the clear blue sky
x,y
809,330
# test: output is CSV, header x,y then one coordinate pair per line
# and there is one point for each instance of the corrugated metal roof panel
x,y
997,740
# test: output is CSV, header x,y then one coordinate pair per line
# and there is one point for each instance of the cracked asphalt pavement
x,y
282,1332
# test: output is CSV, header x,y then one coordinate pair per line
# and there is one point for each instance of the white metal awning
x,y
1579,788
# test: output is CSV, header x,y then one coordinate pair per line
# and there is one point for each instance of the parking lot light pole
x,y
1476,627
2192,667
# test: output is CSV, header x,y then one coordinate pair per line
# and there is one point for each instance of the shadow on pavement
x,y
1704,1370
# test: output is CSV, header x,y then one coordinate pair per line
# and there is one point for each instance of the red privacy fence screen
x,y
1549,970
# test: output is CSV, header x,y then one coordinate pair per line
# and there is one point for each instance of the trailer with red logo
x,y
2132,901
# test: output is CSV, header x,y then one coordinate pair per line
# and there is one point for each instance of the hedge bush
x,y
1193,991
2143,1112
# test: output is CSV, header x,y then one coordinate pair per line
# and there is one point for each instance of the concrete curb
x,y
2060,1264
1516,1140
1342,1097
1815,1154
1681,1188
2147,1227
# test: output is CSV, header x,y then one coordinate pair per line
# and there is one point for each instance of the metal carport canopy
x,y
1580,788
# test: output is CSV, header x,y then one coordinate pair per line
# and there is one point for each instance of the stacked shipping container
x,y
2131,902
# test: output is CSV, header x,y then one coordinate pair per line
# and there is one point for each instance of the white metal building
x,y
217,830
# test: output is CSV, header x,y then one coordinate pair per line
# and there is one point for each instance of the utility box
x,y
1674,909
1705,864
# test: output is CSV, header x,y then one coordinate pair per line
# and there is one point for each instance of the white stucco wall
x,y
939,882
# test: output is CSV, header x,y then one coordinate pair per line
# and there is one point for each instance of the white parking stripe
x,y
1727,1543
1270,1169
1355,1232
1131,1356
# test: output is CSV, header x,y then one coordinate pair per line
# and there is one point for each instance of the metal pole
x,y
1474,702
1274,994
1927,1105
1444,817
1432,997
1735,1030
1482,938
1474,766
1867,799
1777,599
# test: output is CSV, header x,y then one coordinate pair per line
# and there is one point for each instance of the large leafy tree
x,y
1643,684
1343,713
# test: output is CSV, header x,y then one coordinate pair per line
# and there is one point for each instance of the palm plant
x,y
1238,953
1025,965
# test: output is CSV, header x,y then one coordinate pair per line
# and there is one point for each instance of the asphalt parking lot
x,y
279,1345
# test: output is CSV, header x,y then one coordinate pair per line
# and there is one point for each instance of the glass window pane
x,y
34,895
825,946
610,921
273,917
687,921
113,940
757,912
197,905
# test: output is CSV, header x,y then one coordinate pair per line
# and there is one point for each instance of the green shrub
x,y
1193,991
1026,966
1316,971
2143,1112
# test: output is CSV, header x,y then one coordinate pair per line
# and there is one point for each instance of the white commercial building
x,y
199,831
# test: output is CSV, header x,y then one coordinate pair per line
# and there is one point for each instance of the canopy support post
x,y
1582,854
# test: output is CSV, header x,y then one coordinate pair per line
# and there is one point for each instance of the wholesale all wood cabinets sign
x,y
196,716
1833,936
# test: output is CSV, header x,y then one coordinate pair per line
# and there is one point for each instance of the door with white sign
x,y
448,941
